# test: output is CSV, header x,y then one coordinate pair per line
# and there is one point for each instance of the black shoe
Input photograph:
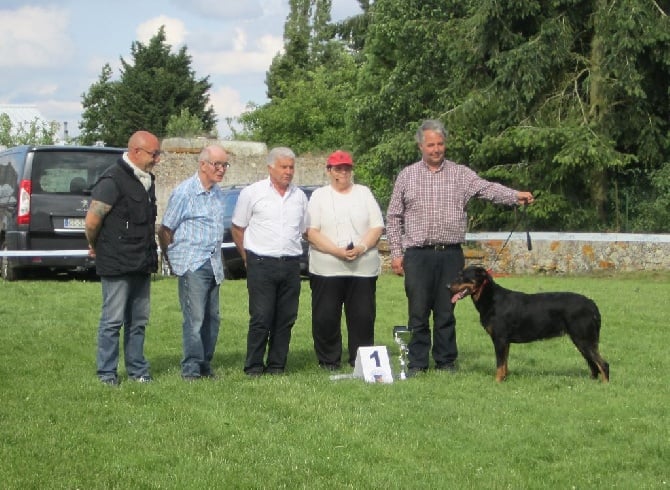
x,y
274,371
113,381
449,367
209,375
254,373
412,372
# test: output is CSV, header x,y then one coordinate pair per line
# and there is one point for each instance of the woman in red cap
x,y
344,223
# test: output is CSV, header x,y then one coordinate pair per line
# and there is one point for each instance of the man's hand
x,y
396,266
523,197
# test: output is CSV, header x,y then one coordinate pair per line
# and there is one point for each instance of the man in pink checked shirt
x,y
426,225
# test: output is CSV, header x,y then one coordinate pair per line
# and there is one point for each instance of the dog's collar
x,y
477,292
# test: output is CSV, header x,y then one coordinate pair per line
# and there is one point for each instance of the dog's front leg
x,y
502,354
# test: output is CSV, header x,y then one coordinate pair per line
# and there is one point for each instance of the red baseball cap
x,y
340,157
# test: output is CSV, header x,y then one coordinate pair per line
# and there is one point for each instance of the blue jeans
x,y
199,299
427,273
125,302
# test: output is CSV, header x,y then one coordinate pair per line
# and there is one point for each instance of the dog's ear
x,y
480,273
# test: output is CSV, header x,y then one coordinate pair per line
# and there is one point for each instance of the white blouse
x,y
344,219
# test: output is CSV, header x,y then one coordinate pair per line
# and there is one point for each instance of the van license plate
x,y
74,223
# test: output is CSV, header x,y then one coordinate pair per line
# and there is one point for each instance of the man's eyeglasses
x,y
219,165
154,154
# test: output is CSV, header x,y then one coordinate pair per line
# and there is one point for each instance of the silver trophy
x,y
401,336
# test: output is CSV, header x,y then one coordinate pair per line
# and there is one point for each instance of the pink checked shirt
x,y
430,207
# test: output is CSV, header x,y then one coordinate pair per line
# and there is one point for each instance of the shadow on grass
x,y
299,361
523,365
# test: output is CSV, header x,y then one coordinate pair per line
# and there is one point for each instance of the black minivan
x,y
44,195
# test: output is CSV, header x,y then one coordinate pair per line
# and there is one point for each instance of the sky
x,y
52,51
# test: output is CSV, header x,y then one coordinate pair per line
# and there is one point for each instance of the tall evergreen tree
x,y
98,102
156,85
569,98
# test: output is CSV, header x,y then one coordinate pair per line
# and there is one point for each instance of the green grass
x,y
547,426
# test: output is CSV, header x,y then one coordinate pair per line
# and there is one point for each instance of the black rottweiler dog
x,y
512,317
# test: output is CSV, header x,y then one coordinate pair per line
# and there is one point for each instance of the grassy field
x,y
547,426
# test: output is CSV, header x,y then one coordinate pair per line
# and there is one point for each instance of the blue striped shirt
x,y
195,216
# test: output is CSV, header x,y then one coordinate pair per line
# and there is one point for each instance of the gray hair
x,y
206,152
204,155
279,152
430,125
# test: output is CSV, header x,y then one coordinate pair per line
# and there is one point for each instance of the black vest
x,y
126,243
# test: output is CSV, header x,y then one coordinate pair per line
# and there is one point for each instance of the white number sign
x,y
372,364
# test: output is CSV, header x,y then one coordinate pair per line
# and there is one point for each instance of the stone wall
x,y
569,253
248,164
552,253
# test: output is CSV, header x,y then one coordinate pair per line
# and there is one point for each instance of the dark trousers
x,y
329,296
274,295
427,274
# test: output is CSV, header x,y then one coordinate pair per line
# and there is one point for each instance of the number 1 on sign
x,y
372,364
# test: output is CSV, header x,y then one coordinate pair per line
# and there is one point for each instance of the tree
x,y
99,106
312,116
309,85
303,39
408,58
184,125
566,98
35,132
353,30
156,85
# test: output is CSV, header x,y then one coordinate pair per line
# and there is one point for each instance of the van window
x,y
8,181
68,172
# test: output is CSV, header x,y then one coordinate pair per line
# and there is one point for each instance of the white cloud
x,y
240,9
175,30
54,108
34,37
239,40
226,102
47,89
241,59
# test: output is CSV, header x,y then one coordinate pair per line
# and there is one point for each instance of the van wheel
x,y
8,272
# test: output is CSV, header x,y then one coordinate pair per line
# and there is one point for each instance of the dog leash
x,y
529,243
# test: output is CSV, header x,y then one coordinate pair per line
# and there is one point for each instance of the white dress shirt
x,y
273,223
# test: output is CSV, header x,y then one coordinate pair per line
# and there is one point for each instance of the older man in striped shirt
x,y
426,225
190,238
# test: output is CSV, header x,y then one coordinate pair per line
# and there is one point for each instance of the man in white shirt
x,y
267,225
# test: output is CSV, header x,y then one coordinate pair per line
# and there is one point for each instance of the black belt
x,y
438,247
269,257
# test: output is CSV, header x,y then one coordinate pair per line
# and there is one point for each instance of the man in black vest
x,y
120,229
